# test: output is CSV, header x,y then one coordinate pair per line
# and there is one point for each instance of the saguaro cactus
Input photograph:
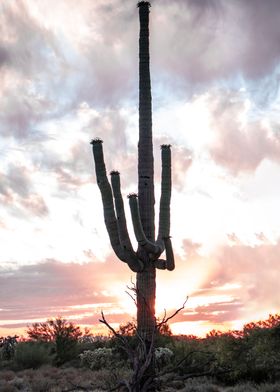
x,y
146,258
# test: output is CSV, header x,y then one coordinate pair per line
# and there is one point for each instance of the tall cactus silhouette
x,y
146,258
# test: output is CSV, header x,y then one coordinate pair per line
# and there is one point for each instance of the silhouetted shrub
x,y
33,354
62,333
93,342
7,347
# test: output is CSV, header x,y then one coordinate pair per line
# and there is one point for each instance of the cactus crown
x,y
96,141
142,3
131,195
165,146
114,173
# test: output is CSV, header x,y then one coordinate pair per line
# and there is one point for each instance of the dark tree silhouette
x,y
62,333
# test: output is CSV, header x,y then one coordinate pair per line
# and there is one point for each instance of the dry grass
x,y
52,379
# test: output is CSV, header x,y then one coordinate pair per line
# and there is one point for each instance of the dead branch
x,y
166,319
125,346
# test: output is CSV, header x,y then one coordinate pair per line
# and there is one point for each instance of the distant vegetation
x,y
59,356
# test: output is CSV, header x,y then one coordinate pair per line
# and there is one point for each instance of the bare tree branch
x,y
166,319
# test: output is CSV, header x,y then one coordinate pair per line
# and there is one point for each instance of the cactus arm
x,y
141,238
121,220
134,263
160,264
109,212
164,211
169,263
106,194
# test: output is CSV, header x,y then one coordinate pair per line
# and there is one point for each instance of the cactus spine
x,y
146,258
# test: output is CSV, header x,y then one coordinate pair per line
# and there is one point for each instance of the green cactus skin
x,y
146,258
125,254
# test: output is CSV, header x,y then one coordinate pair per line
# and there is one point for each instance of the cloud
x,y
52,288
36,205
239,283
213,313
17,191
242,139
181,160
232,37
263,36
254,268
28,78
51,67
4,56
190,248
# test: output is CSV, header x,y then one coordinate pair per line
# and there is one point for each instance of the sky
x,y
69,73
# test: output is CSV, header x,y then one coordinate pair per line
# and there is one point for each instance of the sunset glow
x,y
69,73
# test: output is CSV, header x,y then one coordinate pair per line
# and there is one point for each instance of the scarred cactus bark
x,y
146,258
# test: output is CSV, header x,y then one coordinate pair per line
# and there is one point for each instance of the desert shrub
x,y
93,342
7,387
242,387
262,355
201,384
163,356
41,384
97,359
269,387
44,379
64,334
250,355
7,375
7,347
183,345
33,354
192,356
202,388
108,379
228,351
19,383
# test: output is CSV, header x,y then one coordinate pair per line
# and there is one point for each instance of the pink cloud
x,y
214,313
240,282
241,143
254,268
18,193
190,248
232,37
52,288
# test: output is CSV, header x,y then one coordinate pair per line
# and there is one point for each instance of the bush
x,y
33,354
7,347
6,387
97,359
163,356
93,342
62,333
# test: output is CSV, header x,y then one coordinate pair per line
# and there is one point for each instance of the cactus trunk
x,y
146,286
146,280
